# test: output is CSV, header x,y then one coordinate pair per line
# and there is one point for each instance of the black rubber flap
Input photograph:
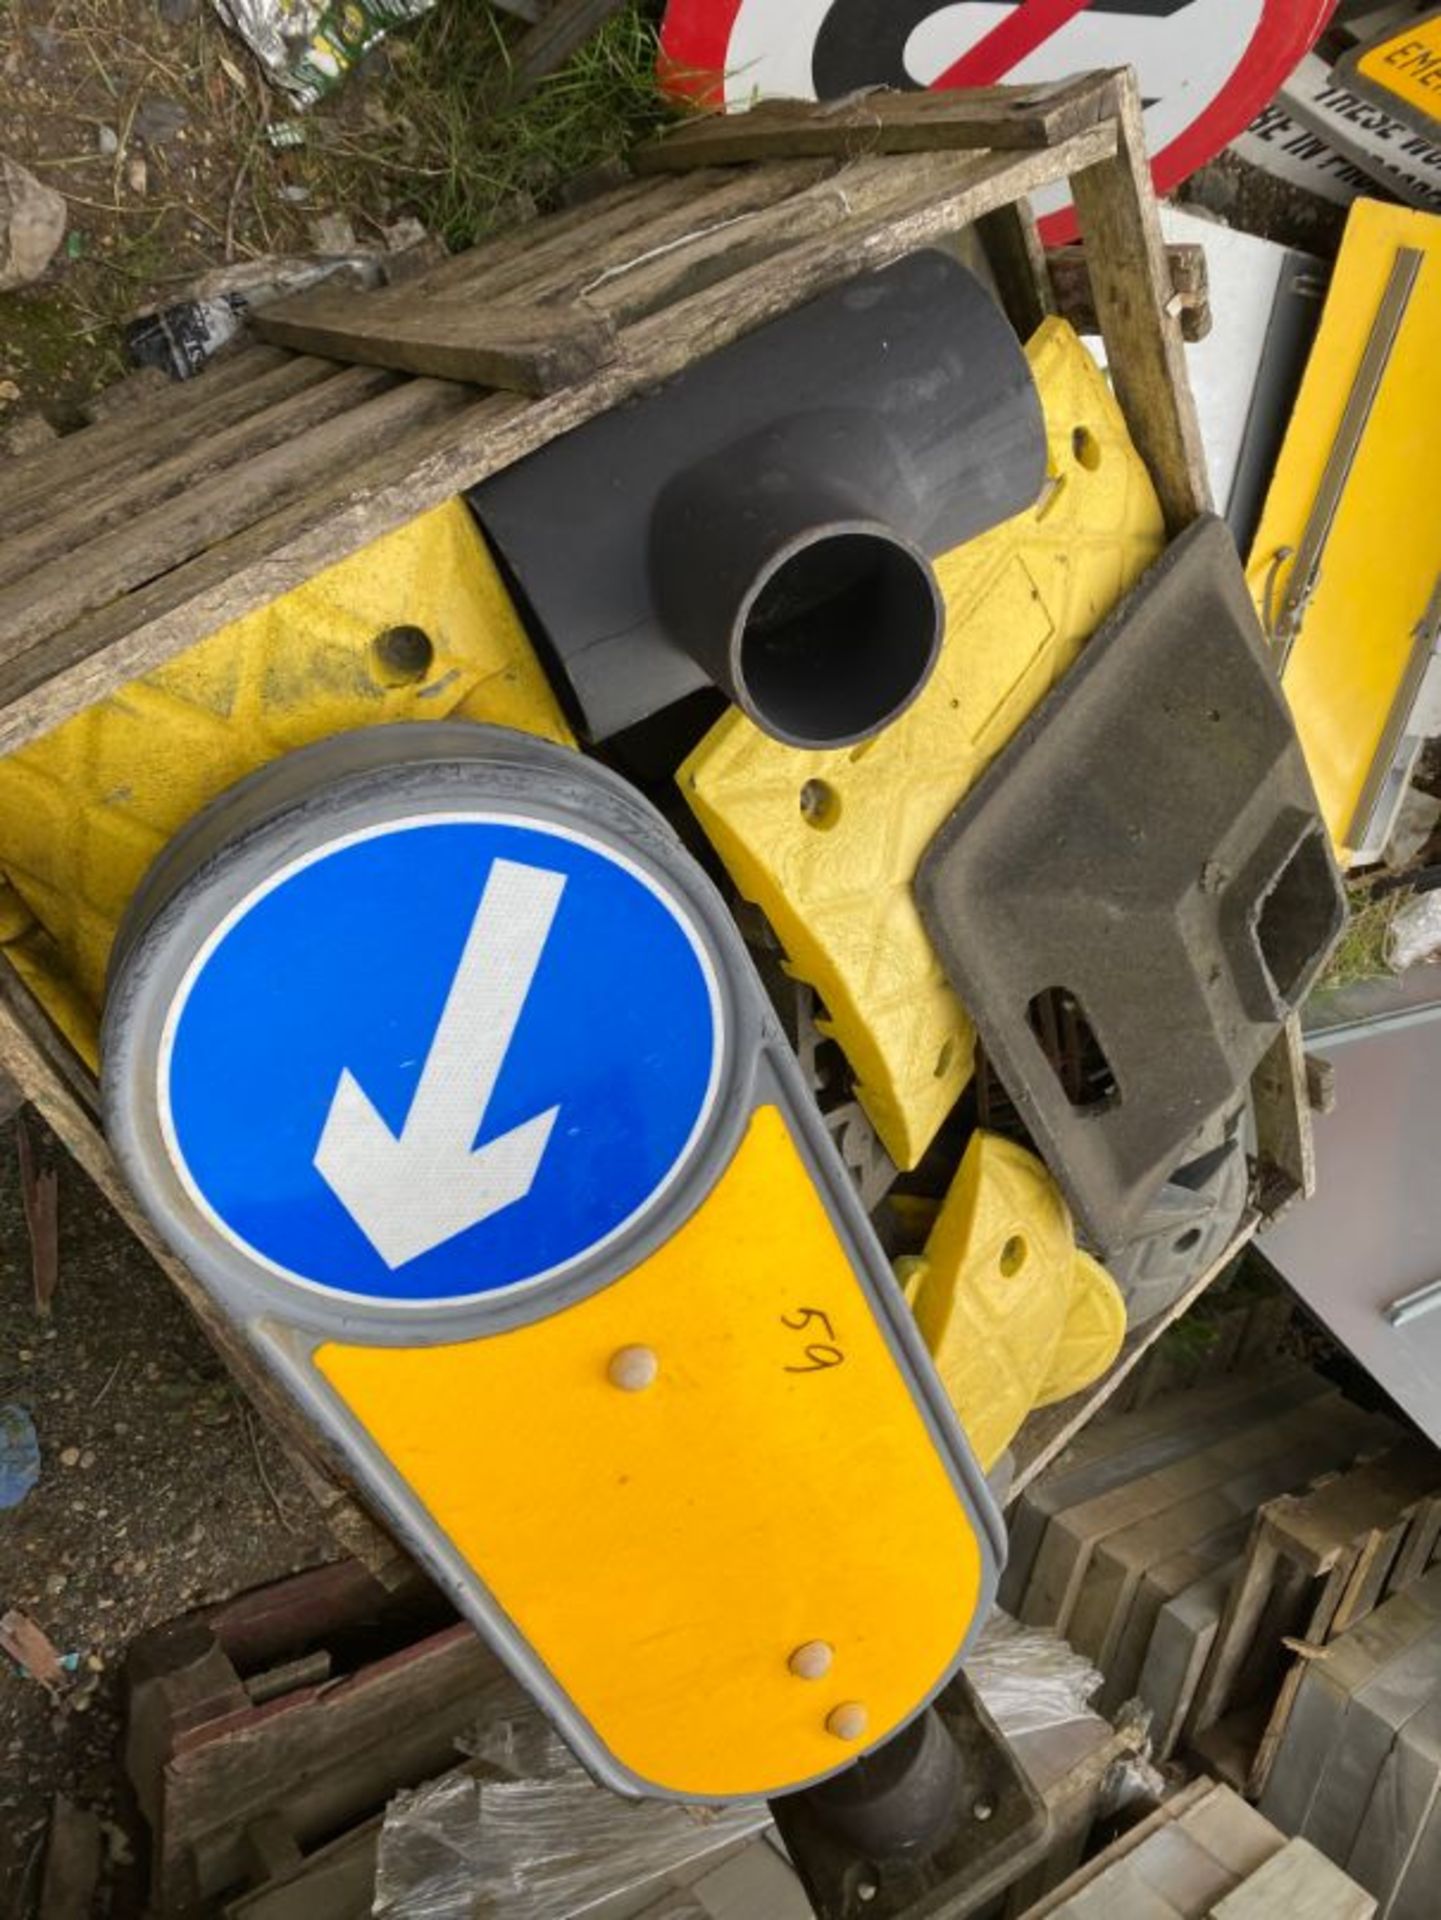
x,y
1140,889
893,416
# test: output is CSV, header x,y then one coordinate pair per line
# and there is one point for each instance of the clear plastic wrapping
x,y
544,1843
1028,1678
1415,933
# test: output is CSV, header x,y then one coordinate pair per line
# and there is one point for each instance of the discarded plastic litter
x,y
19,1455
309,46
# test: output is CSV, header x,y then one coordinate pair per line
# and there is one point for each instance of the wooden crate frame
x,y
130,540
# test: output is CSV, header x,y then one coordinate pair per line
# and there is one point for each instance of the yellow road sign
x,y
1402,72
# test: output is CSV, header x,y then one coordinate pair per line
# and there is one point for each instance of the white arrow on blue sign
x,y
440,1059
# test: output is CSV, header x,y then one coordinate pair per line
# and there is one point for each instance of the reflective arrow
x,y
413,1191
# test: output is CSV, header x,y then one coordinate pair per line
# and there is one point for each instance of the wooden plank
x,y
1017,259
999,118
1075,1532
1070,279
1320,1084
45,602
562,30
1046,1432
1328,1679
316,1758
1300,1883
75,523
1286,1144
1374,1562
520,350
1116,211
125,450
1317,1526
1322,1550
1417,1548
61,460
365,498
1239,1623
1316,1630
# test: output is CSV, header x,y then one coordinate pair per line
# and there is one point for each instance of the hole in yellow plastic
x,y
1087,448
820,804
402,656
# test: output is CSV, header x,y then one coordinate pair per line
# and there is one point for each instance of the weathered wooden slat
x,y
562,30
1012,243
505,259
364,498
48,600
131,447
1286,1144
1069,275
1130,284
657,272
76,523
1309,1540
78,452
1006,119
529,349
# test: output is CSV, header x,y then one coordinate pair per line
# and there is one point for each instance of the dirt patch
x,y
172,151
159,1490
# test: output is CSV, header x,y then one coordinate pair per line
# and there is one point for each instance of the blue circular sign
x,y
440,1058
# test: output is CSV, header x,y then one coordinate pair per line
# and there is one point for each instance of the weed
x,y
1361,954
440,134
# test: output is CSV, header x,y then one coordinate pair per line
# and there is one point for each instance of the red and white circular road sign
x,y
1206,67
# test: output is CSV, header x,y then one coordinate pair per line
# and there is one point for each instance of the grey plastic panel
x,y
1148,847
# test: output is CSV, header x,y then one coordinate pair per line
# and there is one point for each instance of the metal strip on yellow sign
x,y
1345,569
443,1065
1401,71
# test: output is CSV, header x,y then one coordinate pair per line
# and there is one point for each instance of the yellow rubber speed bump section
x,y
443,1066
701,1549
827,843
1015,1317
416,626
1352,491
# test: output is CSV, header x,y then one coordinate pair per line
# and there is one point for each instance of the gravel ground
x,y
159,1490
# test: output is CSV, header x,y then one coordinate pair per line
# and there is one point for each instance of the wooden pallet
x,y
256,1731
130,540
1315,1564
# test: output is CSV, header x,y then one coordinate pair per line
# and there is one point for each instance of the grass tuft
x,y
439,135
1361,954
